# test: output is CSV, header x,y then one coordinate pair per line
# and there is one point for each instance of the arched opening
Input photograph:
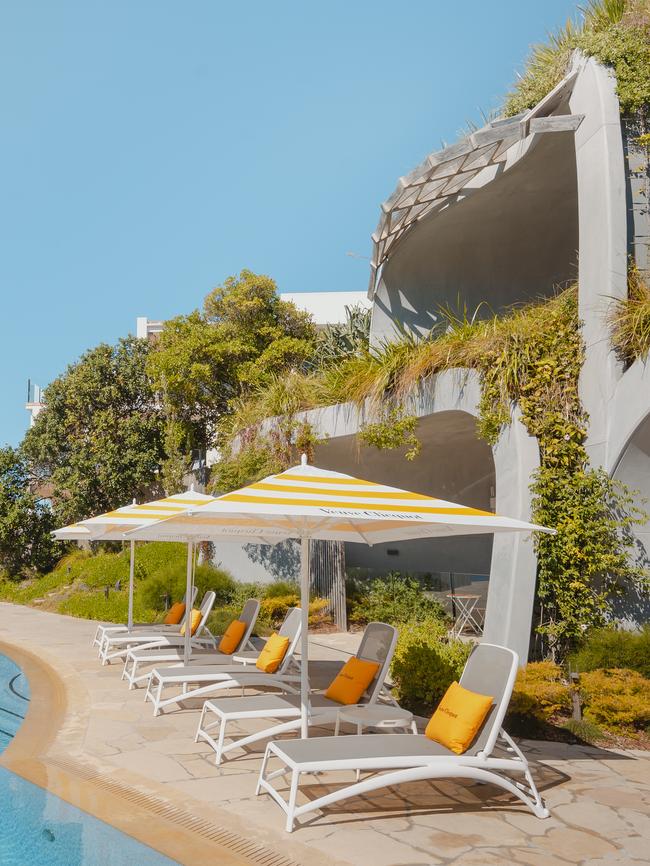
x,y
453,464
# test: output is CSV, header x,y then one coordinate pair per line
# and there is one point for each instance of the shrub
x,y
274,609
102,569
25,591
280,588
614,648
152,556
616,699
395,599
583,730
540,692
425,663
95,605
170,582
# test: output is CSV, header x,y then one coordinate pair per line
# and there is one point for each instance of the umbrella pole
x,y
131,582
304,637
188,602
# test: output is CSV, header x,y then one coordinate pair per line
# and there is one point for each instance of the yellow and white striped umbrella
x,y
112,525
307,501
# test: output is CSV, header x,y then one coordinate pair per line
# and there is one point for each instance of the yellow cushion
x,y
275,649
353,679
232,637
175,613
195,619
458,718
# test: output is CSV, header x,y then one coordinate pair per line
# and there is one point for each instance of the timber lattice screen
x,y
328,577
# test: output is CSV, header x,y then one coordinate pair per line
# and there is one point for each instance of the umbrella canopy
x,y
322,504
112,525
306,502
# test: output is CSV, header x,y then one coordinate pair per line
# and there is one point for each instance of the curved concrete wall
x,y
511,240
603,242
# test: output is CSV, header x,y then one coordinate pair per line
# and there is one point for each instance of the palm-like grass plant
x,y
629,320
613,31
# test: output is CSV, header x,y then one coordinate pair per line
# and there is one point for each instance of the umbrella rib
x,y
356,529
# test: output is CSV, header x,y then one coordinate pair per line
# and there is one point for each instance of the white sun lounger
x,y
137,658
377,645
117,646
491,670
113,628
208,679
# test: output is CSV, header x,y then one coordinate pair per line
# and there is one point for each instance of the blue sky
x,y
150,148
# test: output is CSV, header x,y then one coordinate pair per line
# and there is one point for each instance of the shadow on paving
x,y
422,798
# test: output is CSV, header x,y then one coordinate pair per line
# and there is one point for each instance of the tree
x,y
25,520
100,439
245,335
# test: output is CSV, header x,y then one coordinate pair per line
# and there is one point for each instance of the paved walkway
x,y
599,800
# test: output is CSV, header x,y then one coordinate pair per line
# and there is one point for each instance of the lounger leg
x,y
200,724
530,789
147,692
222,736
262,774
134,670
291,805
157,709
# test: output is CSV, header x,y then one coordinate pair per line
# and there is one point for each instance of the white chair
x,y
405,758
117,646
377,645
112,628
208,679
137,658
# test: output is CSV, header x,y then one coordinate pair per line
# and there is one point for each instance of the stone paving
x,y
599,800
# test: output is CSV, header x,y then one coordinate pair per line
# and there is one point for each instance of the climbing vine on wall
x,y
587,563
395,430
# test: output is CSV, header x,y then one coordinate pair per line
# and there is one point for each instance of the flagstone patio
x,y
107,737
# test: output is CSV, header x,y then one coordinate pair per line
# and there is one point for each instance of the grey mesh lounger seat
x,y
137,658
117,646
377,645
208,679
104,629
490,670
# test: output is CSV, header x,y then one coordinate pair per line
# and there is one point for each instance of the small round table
x,y
375,716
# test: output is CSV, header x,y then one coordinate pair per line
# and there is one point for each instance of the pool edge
x,y
28,756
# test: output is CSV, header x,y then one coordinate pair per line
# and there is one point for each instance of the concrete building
x,y
34,404
507,214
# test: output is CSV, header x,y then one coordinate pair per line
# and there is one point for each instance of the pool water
x,y
14,699
38,828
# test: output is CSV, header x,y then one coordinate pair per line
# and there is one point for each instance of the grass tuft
x,y
629,320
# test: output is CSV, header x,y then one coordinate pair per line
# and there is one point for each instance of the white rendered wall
x,y
602,273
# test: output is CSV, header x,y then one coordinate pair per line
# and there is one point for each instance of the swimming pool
x,y
39,829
